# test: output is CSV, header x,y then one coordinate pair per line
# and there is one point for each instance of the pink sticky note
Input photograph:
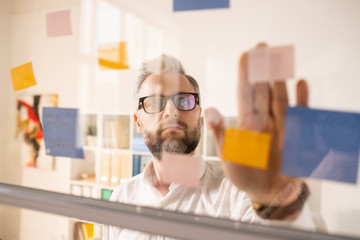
x,y
58,23
181,168
270,63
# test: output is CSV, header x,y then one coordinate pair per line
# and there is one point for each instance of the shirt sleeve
x,y
240,203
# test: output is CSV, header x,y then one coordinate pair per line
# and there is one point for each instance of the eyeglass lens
x,y
184,102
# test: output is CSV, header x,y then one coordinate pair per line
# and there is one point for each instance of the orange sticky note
x,y
248,148
181,168
23,76
114,57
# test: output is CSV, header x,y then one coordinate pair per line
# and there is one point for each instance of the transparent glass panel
x,y
86,55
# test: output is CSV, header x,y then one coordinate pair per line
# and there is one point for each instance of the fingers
x,y
252,99
280,99
278,106
262,95
244,89
302,93
261,44
216,123
262,103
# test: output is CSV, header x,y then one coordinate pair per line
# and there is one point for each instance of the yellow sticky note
x,y
23,76
248,148
114,57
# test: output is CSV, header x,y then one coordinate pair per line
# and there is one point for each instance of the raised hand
x,y
262,108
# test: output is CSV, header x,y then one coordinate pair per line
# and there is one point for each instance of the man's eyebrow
x,y
152,95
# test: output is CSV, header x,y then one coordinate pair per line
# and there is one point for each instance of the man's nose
x,y
170,109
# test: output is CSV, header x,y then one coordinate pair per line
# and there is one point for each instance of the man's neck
x,y
158,182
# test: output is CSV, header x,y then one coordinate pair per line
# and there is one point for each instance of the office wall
x,y
5,25
9,217
55,64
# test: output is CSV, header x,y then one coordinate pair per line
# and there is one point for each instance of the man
x,y
168,116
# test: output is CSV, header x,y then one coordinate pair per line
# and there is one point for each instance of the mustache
x,y
163,125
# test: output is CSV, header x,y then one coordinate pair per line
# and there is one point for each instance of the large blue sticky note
x,y
186,5
62,132
321,144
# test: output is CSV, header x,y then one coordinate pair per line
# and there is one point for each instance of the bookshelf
x,y
114,151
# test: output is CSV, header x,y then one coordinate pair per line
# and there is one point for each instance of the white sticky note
x,y
58,23
271,64
181,168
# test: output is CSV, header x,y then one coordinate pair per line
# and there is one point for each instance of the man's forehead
x,y
165,83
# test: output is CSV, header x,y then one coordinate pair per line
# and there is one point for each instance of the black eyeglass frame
x,y
142,99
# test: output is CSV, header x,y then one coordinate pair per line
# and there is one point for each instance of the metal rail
x,y
144,219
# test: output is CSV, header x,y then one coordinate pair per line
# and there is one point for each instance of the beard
x,y
172,143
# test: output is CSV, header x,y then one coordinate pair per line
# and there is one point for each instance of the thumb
x,y
216,123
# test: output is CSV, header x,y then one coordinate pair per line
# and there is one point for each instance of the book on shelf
x,y
116,134
115,168
88,228
105,168
139,163
78,234
138,144
120,168
83,231
136,164
106,194
124,167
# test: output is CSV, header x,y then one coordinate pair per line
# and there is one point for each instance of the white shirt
x,y
217,197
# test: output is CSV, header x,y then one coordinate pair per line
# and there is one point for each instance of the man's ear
x,y
138,123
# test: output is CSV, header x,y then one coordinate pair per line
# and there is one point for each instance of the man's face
x,y
170,130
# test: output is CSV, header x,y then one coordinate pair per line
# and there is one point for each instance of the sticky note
x,y
247,148
186,5
114,57
58,23
321,144
270,64
22,76
181,168
62,132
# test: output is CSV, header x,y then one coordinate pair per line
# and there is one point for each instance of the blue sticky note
x,y
186,5
62,132
321,144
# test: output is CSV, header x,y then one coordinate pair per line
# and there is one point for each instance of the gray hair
x,y
162,64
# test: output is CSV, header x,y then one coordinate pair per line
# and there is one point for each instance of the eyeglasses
x,y
183,101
